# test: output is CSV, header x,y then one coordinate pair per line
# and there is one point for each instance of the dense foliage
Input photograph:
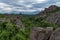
x,y
39,22
9,31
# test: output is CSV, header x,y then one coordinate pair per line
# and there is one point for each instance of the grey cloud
x,y
24,5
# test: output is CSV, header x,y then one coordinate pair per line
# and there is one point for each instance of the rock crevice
x,y
38,33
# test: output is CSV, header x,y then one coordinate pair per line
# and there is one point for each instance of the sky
x,y
11,6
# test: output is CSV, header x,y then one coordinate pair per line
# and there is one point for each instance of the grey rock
x,y
48,33
36,33
55,35
18,23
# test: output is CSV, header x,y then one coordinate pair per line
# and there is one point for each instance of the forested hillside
x,y
17,26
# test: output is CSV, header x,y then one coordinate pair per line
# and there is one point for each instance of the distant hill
x,y
51,14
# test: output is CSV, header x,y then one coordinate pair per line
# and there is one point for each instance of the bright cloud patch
x,y
5,7
40,1
26,10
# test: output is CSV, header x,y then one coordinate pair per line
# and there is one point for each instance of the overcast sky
x,y
26,5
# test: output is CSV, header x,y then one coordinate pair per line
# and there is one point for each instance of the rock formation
x,y
54,18
50,9
51,14
14,19
35,32
55,35
38,33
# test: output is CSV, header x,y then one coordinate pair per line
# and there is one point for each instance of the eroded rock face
x,y
55,35
50,9
18,23
37,33
54,18
51,14
48,33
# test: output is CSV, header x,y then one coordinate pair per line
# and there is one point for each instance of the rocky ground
x,y
51,14
38,33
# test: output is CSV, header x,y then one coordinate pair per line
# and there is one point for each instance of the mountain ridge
x,y
51,14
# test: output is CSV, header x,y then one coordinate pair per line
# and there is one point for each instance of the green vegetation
x,y
39,22
9,31
58,9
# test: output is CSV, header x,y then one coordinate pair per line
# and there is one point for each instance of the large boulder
x,y
37,33
48,33
55,35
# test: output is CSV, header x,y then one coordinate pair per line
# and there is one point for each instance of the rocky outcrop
x,y
51,14
54,18
38,33
48,33
16,19
18,23
35,32
55,35
50,9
